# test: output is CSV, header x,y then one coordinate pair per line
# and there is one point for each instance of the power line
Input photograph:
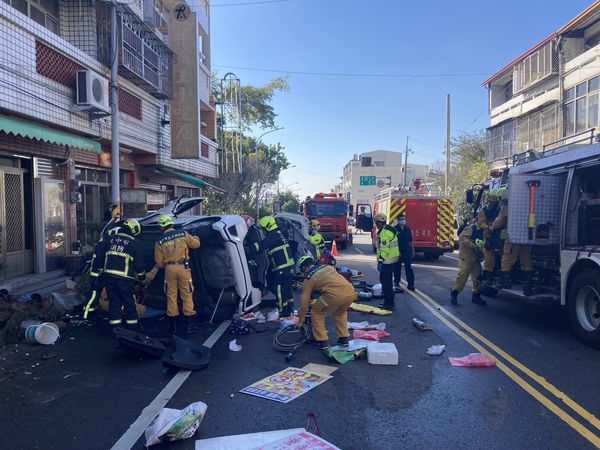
x,y
363,75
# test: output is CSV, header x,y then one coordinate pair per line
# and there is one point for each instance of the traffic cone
x,y
334,251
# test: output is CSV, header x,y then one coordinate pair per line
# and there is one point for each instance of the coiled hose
x,y
285,341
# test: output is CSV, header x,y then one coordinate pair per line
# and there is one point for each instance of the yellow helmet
x,y
380,217
501,191
165,221
133,226
268,223
493,196
305,260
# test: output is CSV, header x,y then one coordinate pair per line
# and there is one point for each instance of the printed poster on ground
x,y
286,385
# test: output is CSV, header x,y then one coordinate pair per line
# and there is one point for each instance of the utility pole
x,y
405,163
447,175
115,195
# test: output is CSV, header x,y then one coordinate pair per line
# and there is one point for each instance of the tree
x,y
290,202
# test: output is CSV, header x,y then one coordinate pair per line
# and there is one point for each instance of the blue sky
x,y
327,119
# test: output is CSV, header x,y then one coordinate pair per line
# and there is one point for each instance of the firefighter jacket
x,y
388,250
278,250
328,282
485,220
173,247
317,241
501,222
120,256
466,242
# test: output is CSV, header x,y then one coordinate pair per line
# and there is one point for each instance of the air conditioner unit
x,y
92,91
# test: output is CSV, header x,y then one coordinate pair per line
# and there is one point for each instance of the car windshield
x,y
327,209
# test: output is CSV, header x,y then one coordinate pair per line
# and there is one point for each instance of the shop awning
x,y
32,130
188,178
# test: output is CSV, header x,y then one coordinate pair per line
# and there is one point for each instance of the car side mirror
x,y
469,197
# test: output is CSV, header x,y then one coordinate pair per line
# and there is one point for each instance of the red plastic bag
x,y
370,335
473,360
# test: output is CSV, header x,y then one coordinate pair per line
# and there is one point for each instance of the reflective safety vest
x,y
317,241
388,251
120,256
278,250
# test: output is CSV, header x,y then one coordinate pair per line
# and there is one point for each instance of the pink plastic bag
x,y
370,335
472,360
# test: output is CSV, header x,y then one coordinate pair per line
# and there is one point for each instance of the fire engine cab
x,y
331,210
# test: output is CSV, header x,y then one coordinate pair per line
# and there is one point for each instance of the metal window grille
x,y
56,66
13,191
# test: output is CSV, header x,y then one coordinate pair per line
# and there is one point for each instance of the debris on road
x,y
344,355
175,424
353,345
70,375
292,439
365,326
436,350
286,385
139,342
45,333
234,346
382,353
273,315
422,326
319,368
369,309
473,360
187,355
370,335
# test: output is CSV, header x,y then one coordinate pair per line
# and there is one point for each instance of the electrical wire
x,y
280,344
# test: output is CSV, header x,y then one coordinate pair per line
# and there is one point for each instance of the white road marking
x,y
148,414
452,257
360,251
435,267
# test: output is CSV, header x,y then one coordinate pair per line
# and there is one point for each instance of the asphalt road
x,y
542,393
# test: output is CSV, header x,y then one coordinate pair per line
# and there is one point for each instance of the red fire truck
x,y
429,216
331,210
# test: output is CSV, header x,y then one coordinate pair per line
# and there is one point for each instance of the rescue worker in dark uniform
x,y
172,253
120,262
407,253
469,255
491,238
316,239
281,264
388,254
257,261
336,296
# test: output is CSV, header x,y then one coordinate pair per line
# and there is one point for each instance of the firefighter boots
x,y
478,300
505,280
454,297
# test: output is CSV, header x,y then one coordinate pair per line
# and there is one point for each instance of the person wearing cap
x,y
316,239
336,295
407,253
485,219
469,254
172,253
281,263
257,261
388,254
119,261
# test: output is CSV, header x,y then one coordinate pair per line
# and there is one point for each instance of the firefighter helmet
x,y
165,221
268,223
502,193
132,226
380,217
493,196
305,260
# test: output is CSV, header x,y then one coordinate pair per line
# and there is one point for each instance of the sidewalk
x,y
41,283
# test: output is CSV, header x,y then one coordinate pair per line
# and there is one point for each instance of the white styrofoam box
x,y
383,353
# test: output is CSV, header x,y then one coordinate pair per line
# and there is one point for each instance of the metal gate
x,y
12,223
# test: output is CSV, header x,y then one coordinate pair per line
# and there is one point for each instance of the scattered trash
x,y
358,325
377,290
239,327
286,385
382,353
140,342
46,333
371,335
187,355
273,315
249,316
409,366
62,360
319,368
436,350
67,300
234,346
284,323
230,395
343,356
295,438
353,345
27,323
423,326
365,296
49,355
473,360
261,318
369,309
70,375
174,424
28,372
298,441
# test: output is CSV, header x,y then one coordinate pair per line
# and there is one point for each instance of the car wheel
x,y
584,307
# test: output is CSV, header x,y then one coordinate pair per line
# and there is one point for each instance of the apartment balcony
x,y
522,104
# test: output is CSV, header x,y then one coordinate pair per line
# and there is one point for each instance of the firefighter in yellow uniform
x,y
485,219
316,239
512,252
388,254
171,252
336,295
470,246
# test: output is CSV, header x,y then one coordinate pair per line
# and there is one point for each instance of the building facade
x,y
55,131
549,95
368,173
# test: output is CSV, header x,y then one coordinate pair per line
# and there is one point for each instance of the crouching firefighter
x,y
281,264
120,264
336,295
171,252
470,247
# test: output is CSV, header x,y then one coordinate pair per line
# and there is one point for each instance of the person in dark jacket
x,y
407,253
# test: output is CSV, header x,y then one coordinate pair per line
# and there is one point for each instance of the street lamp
x,y
257,169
